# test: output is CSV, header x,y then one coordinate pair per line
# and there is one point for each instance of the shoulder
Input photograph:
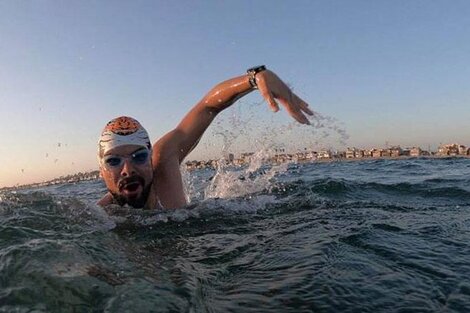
x,y
166,149
106,200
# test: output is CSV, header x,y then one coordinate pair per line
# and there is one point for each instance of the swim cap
x,y
122,131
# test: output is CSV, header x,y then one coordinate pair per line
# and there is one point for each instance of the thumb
x,y
262,80
273,104
268,96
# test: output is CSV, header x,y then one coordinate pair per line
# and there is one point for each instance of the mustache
x,y
129,180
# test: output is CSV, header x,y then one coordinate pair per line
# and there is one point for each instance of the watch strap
x,y
251,72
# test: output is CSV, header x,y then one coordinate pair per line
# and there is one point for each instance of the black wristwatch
x,y
252,73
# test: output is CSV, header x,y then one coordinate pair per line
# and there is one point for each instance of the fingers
x,y
296,108
300,117
268,96
273,104
303,105
272,89
295,112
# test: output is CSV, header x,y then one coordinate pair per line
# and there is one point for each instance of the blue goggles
x,y
139,157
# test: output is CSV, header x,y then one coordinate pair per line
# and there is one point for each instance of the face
x,y
127,172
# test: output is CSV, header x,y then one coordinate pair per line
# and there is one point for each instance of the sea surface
x,y
361,236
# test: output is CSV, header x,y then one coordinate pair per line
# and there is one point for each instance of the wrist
x,y
251,73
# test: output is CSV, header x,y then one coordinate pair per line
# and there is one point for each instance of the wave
x,y
320,235
353,189
40,211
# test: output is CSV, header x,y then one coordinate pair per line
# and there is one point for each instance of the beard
x,y
135,202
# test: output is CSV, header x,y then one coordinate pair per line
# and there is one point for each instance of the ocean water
x,y
362,236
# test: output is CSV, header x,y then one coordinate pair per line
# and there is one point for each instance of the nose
x,y
127,169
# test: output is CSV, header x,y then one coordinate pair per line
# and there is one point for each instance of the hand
x,y
272,87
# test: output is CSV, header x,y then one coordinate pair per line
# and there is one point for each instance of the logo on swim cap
x,y
122,131
123,126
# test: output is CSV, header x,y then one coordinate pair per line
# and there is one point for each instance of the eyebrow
x,y
142,148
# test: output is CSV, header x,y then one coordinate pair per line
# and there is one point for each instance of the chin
x,y
136,201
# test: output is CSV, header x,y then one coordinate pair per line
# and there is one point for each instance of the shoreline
x,y
88,176
403,157
342,159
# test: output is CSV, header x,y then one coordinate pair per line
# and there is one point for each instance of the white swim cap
x,y
122,131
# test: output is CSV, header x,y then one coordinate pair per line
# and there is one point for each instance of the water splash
x,y
243,128
256,177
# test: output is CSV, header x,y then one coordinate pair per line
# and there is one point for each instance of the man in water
x,y
145,176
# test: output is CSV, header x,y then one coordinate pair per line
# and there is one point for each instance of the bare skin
x,y
168,152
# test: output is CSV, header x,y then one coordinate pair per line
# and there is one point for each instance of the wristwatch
x,y
252,74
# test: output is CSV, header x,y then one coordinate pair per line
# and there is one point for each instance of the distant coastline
x,y
73,178
328,155
351,154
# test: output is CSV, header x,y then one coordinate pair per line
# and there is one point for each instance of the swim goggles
x,y
139,157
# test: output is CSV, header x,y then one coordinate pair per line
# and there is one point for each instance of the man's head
x,y
124,154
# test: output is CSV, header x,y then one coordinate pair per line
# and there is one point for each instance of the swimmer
x,y
148,176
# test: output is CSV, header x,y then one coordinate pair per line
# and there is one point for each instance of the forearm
x,y
195,123
226,93
186,135
180,141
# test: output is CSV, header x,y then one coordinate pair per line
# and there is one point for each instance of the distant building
x,y
376,153
416,152
386,153
368,153
338,154
448,150
350,153
395,151
406,152
359,154
312,155
281,158
300,156
354,153
462,150
325,154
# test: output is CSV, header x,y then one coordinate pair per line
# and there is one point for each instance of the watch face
x,y
256,69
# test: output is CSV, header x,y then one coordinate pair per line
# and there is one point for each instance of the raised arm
x,y
180,141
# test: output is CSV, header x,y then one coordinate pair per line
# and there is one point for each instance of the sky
x,y
388,72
